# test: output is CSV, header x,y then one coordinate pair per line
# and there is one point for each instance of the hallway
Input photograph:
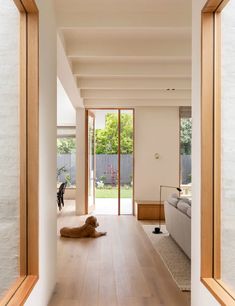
x,y
119,269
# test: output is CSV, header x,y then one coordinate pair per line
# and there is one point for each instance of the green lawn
x,y
113,193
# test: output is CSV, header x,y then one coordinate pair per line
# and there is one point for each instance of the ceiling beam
x,y
131,68
135,94
121,18
133,83
76,50
105,42
64,74
89,103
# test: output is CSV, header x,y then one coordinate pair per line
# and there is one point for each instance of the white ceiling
x,y
128,52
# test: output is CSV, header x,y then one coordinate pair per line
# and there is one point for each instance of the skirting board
x,y
149,210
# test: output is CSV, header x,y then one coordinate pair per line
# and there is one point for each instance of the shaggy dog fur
x,y
87,230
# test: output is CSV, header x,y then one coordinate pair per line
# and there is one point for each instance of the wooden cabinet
x,y
149,210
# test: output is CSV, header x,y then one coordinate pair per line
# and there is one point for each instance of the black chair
x,y
60,195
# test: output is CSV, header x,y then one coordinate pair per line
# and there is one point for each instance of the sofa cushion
x,y
183,206
173,201
186,200
189,211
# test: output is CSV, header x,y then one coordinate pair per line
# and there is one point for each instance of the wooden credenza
x,y
149,210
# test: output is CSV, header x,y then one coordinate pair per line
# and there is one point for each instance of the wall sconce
x,y
156,155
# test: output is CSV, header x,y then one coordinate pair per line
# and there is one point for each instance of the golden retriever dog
x,y
87,230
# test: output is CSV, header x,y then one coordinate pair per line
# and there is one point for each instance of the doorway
x,y
110,161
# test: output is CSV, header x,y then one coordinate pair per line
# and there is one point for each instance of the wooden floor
x,y
120,269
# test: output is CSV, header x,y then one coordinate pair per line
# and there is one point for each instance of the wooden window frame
x,y
29,143
211,152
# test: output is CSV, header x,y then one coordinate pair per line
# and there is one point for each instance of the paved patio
x,y
102,207
110,206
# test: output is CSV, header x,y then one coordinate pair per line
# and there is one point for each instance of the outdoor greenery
x,y
185,136
66,145
107,138
112,192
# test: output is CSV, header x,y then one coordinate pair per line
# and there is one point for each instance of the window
x,y
185,150
218,150
66,155
19,150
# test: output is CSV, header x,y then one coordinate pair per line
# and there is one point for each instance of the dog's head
x,y
92,221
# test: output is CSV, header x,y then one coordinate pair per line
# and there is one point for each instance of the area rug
x,y
177,263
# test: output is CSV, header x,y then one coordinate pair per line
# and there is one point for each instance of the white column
x,y
80,177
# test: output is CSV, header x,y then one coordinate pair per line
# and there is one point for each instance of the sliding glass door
x,y
126,161
107,170
112,157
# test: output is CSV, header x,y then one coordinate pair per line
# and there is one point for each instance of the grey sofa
x,y
178,221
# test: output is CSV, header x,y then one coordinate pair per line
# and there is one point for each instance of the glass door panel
x,y
91,162
106,131
126,161
110,174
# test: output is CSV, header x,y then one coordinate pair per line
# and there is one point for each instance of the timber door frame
x,y
118,109
89,113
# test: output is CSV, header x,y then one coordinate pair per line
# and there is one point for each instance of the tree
x,y
107,138
66,145
185,136
126,134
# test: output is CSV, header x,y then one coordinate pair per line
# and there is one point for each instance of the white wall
x,y
47,157
228,147
9,140
156,131
66,113
199,295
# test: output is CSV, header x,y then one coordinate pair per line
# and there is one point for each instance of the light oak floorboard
x,y
120,269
